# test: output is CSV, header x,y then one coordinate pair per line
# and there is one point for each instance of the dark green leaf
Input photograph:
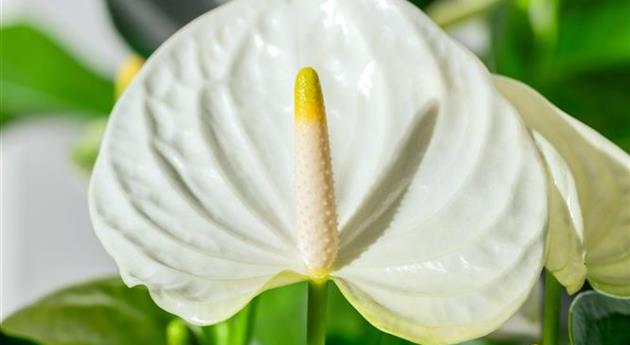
x,y
598,98
145,24
10,340
592,35
39,76
99,312
422,3
596,319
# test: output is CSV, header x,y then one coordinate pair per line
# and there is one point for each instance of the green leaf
x,y
146,24
39,76
578,57
281,316
422,3
598,97
592,35
98,312
9,340
596,319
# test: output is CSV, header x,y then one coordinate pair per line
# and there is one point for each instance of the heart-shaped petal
x,y
441,194
601,173
564,251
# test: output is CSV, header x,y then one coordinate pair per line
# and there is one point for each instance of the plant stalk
x,y
551,311
316,313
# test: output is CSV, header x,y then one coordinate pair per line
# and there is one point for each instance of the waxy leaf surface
x,y
103,311
596,319
38,76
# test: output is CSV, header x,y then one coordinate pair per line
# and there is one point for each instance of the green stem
x,y
551,313
316,314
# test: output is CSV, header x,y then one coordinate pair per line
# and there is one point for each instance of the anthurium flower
x,y
452,188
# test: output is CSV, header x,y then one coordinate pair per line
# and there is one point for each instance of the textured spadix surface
x,y
441,193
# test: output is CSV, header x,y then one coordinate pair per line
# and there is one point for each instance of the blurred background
x,y
61,60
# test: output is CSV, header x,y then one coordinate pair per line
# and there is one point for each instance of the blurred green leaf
x,y
422,3
281,316
579,58
145,24
99,312
596,319
39,76
9,340
592,35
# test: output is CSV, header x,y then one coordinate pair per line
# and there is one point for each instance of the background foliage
x,y
575,52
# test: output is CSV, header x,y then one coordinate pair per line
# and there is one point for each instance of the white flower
x,y
443,199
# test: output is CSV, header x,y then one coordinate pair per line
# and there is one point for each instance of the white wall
x,y
46,237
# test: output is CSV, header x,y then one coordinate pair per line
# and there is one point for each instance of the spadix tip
x,y
309,101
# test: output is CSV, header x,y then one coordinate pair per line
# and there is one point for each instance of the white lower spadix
x,y
316,218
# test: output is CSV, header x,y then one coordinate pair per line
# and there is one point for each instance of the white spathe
x,y
593,178
442,195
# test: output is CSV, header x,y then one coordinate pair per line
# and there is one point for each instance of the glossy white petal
x,y
191,193
601,172
564,251
526,323
441,195
449,240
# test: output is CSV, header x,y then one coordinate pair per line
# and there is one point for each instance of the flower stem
x,y
316,314
551,313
